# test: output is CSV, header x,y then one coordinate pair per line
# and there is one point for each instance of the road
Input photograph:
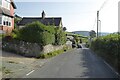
x,y
78,63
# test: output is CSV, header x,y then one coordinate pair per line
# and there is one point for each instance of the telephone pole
x,y
103,5
97,22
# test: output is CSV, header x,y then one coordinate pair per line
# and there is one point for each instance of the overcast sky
x,y
76,15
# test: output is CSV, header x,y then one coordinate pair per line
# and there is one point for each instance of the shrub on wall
x,y
60,36
47,38
36,32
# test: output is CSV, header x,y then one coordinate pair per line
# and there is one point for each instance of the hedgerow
x,y
37,32
108,47
60,36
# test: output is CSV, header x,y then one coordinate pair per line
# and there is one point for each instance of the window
x,y
9,23
4,23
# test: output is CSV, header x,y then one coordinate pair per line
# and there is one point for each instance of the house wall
x,y
60,24
12,13
6,4
7,28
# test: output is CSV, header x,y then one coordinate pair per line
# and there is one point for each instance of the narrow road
x,y
78,63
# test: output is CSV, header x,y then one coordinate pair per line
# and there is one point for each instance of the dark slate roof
x,y
46,21
5,12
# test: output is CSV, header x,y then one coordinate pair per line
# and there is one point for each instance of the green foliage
x,y
60,36
92,34
109,48
84,40
16,20
2,36
51,54
64,28
47,38
77,39
15,34
36,32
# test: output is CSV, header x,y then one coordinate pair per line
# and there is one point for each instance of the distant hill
x,y
103,33
86,33
83,33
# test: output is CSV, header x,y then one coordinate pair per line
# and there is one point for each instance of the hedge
x,y
108,47
60,36
37,32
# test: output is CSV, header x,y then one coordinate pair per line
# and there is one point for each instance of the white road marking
x,y
30,72
108,65
111,68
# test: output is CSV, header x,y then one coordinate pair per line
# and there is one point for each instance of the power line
x,y
99,27
103,5
94,23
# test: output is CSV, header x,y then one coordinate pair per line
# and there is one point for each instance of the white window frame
x,y
7,19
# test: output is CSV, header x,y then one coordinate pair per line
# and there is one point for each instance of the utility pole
x,y
97,22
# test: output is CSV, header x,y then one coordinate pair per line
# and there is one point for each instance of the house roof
x,y
5,11
13,4
46,21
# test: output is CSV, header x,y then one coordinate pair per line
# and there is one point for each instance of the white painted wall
x,y
6,4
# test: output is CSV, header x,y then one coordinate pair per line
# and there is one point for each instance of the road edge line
x,y
107,64
112,69
30,72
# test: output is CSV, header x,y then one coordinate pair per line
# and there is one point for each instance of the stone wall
x,y
51,48
28,49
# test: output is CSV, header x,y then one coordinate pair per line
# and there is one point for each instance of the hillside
x,y
83,33
86,33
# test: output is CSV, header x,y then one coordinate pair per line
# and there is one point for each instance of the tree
x,y
92,34
16,20
64,28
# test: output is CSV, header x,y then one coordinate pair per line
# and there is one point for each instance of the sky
x,y
77,15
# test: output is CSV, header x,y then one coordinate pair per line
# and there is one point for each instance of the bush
x,y
60,36
36,32
77,39
51,54
109,48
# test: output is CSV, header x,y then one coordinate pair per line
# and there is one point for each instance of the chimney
x,y
43,15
